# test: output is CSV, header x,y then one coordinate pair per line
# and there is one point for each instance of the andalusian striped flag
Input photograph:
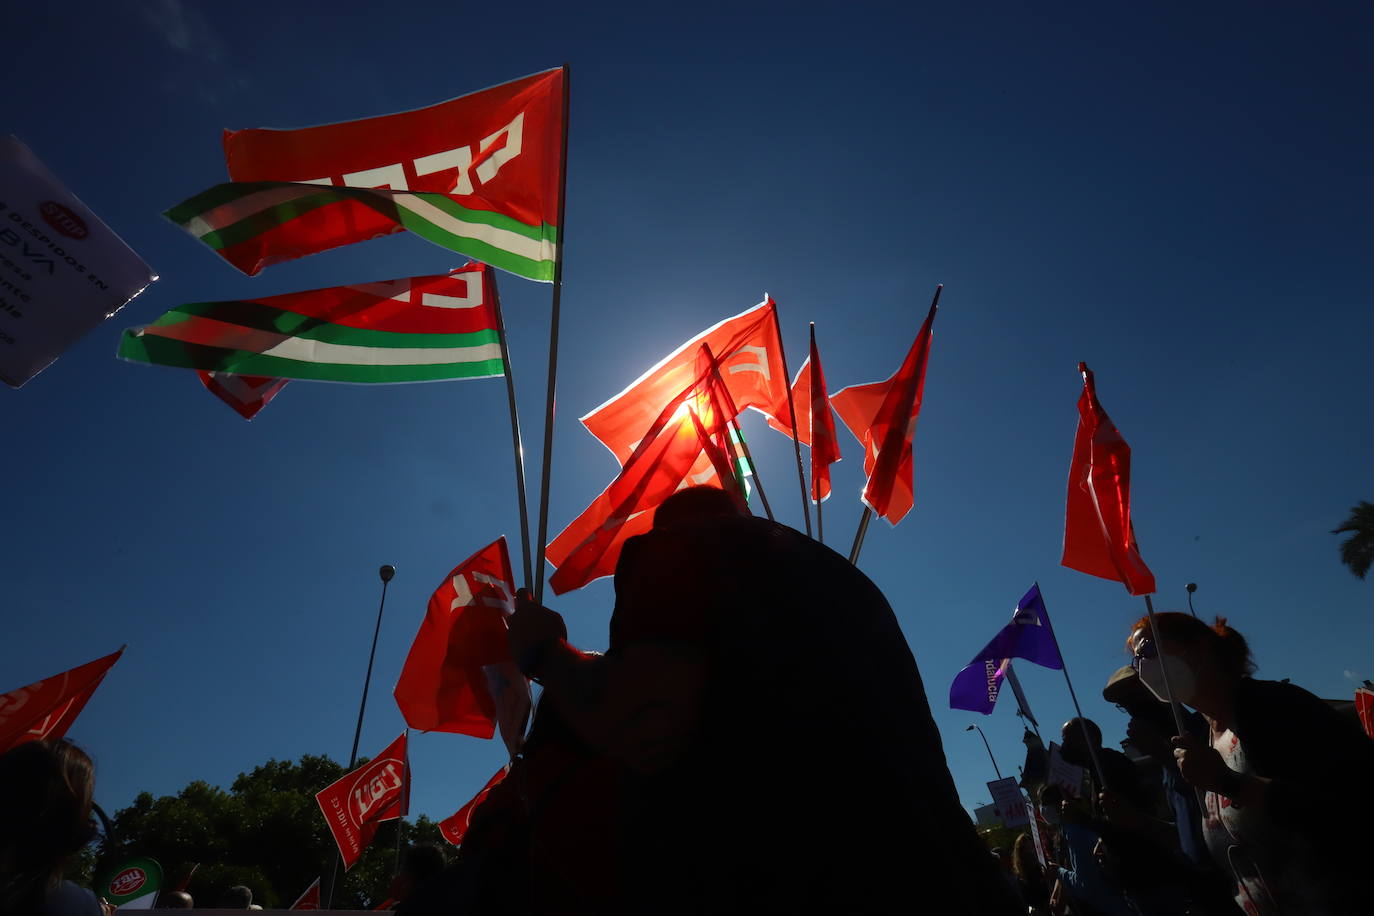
x,y
418,329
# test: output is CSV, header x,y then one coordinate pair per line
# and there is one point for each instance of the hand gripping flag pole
x,y
553,346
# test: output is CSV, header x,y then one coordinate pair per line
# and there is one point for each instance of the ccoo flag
x,y
47,708
479,175
1099,538
417,329
459,676
1028,636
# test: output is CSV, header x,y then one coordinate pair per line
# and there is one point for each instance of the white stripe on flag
x,y
513,242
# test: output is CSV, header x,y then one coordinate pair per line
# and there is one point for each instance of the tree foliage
x,y
265,832
1357,551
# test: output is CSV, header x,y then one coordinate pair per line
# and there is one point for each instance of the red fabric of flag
x,y
694,420
749,352
882,416
246,394
47,708
809,393
455,826
1099,538
310,900
356,804
497,151
459,676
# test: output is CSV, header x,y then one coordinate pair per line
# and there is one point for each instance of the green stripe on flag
x,y
259,317
162,351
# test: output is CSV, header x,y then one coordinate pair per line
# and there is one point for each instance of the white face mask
x,y
1181,677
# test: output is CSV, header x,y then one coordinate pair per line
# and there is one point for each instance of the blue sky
x,y
1179,196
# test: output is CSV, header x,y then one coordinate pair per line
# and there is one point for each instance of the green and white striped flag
x,y
417,329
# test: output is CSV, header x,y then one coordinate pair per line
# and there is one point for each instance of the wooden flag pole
x,y
859,535
792,413
516,444
753,468
553,347
385,573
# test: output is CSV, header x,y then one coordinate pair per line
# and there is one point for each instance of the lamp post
x,y
996,769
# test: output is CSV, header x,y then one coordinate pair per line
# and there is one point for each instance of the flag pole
x,y
385,573
811,410
553,346
514,429
792,413
1164,669
1078,710
753,468
859,535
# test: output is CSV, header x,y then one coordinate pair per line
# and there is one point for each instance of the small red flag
x,y
820,423
356,804
665,460
882,416
455,826
1099,538
310,900
1364,707
247,394
47,708
749,353
459,676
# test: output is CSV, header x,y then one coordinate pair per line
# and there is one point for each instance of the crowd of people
x,y
757,738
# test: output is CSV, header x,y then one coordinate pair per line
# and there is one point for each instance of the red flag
x,y
455,826
1099,538
355,805
310,900
693,421
247,394
809,393
1364,707
459,676
47,708
882,416
749,352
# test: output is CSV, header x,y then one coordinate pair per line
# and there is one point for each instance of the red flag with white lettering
x,y
459,676
493,155
455,826
1099,538
749,352
47,708
310,900
692,422
355,805
246,394
882,416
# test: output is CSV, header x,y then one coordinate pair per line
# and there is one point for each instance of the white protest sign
x,y
1065,775
62,270
1010,803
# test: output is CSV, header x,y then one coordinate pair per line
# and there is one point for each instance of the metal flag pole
x,y
514,428
811,410
553,347
753,468
859,535
792,413
1164,669
405,782
995,768
1078,710
385,573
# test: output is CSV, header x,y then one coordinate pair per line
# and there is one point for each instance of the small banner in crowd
x,y
355,805
455,826
64,271
1070,777
1364,706
47,708
310,900
131,884
1009,802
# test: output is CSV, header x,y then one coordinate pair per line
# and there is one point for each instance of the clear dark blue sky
x,y
1178,195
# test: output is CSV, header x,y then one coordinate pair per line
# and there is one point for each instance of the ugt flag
x,y
478,175
416,329
454,827
47,708
1099,538
1028,636
749,352
310,900
882,416
356,804
459,676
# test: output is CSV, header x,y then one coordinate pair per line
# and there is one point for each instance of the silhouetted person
x,y
175,900
45,819
756,738
237,897
420,865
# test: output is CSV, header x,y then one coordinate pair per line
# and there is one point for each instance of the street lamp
x,y
995,767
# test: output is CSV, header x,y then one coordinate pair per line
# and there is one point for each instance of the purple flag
x,y
1028,636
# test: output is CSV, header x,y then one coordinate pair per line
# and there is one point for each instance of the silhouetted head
x,y
695,503
1075,749
419,864
45,818
237,897
175,900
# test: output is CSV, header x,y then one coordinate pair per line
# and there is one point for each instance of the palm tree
x,y
1357,551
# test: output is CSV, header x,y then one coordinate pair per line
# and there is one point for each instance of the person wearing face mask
x,y
1287,779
